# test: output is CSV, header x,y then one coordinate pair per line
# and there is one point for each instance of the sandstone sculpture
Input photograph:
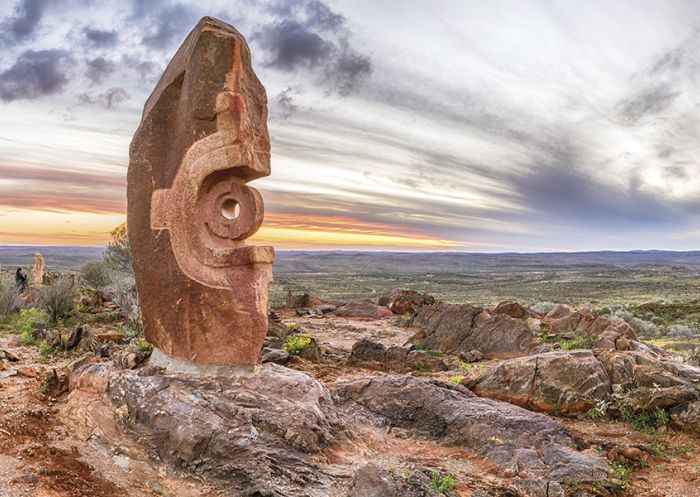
x,y
38,270
203,136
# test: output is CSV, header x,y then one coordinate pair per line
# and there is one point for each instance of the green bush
x,y
294,343
57,298
25,322
442,483
580,342
646,420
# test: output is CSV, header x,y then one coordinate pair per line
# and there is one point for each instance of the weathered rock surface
x,y
572,382
371,480
401,301
556,382
203,136
463,328
362,309
531,446
254,434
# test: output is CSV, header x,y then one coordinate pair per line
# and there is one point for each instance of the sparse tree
x,y
9,296
118,252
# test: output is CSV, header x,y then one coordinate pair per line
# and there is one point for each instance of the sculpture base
x,y
177,365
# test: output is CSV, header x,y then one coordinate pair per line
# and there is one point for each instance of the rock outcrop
x,y
253,435
402,301
531,447
561,382
455,329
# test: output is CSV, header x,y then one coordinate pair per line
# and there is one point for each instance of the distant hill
x,y
56,258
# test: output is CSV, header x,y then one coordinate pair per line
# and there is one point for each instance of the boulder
x,y
463,328
401,301
396,354
420,360
367,350
471,356
510,308
562,382
362,309
558,312
296,301
688,419
278,356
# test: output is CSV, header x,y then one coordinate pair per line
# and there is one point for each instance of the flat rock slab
x,y
531,447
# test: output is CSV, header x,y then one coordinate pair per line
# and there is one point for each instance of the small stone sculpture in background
x,y
38,270
203,136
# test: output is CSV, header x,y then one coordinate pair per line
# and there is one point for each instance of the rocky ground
x,y
408,398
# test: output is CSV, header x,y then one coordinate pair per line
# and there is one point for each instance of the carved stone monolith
x,y
203,135
38,270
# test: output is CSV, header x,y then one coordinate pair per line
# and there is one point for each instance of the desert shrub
x,y
681,331
96,274
117,255
295,343
543,307
57,298
26,320
645,329
580,342
9,296
442,483
143,345
621,314
456,379
600,409
620,474
646,420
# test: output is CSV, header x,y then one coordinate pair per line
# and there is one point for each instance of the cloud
x,y
111,98
285,102
291,45
648,102
163,23
99,68
22,26
36,74
100,38
307,34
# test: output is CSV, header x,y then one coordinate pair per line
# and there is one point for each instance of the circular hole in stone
x,y
230,209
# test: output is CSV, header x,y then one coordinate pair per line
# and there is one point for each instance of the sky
x,y
457,125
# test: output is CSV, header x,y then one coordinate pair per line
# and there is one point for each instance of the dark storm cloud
x,y
36,74
23,24
560,186
291,45
99,68
163,23
100,38
307,34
